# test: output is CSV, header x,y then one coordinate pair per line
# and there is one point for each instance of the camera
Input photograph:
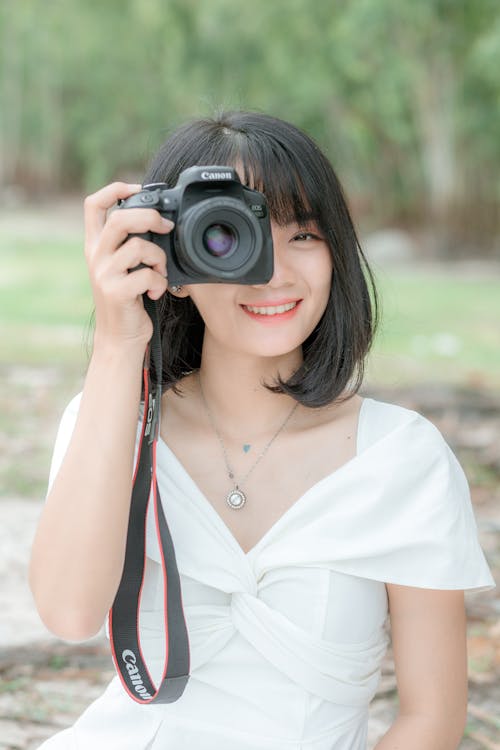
x,y
222,228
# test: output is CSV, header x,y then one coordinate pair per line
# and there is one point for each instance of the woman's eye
x,y
304,236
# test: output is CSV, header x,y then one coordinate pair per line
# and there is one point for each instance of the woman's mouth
x,y
267,312
271,309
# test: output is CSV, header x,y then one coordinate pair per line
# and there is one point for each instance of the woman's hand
x,y
121,319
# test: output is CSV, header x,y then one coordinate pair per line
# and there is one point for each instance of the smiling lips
x,y
276,311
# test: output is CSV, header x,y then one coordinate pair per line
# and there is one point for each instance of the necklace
x,y
236,498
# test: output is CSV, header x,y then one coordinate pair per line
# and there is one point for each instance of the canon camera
x,y
222,229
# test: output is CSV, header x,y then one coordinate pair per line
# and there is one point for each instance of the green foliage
x,y
404,95
437,326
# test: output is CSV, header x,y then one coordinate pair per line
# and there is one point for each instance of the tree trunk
x,y
11,96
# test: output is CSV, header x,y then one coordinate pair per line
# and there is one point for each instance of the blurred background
x,y
403,96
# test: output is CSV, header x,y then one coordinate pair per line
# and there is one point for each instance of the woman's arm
x,y
78,551
430,657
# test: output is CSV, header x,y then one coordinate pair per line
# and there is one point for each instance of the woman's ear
x,y
178,291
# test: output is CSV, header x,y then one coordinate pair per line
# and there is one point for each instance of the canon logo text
x,y
130,660
216,176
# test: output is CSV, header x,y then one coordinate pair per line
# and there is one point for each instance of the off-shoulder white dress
x,y
287,640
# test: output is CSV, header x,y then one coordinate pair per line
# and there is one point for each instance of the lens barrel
x,y
220,237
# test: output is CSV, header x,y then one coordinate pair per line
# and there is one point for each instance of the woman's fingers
x,y
123,223
105,230
116,244
97,205
140,282
132,254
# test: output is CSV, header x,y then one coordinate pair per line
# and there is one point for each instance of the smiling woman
x,y
301,514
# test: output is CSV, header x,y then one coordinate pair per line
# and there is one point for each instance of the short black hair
x,y
300,184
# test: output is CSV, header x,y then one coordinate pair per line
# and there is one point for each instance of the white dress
x,y
287,640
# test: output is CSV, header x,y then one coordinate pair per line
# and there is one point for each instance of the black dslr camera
x,y
222,229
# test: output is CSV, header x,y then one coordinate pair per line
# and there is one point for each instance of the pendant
x,y
236,499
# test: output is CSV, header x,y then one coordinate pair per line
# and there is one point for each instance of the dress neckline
x,y
209,509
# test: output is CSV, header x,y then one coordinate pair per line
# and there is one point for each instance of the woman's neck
x,y
234,390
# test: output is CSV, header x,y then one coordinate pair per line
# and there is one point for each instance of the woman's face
x,y
273,319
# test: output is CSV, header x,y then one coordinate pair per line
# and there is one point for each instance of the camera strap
x,y
123,618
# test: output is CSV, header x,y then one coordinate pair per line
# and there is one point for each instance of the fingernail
x,y
167,222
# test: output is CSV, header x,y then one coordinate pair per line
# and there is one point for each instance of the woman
x,y
348,508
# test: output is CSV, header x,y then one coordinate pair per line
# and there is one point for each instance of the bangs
x,y
280,162
274,172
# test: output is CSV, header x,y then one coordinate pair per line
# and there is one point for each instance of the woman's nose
x,y
282,271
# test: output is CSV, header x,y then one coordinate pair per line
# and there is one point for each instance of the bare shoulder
x,y
340,415
328,436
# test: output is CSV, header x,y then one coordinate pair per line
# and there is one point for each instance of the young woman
x,y
354,509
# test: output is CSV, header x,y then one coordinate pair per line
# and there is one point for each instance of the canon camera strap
x,y
123,617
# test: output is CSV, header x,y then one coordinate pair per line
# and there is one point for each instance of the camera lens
x,y
220,240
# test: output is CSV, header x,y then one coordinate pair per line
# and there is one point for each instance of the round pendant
x,y
236,499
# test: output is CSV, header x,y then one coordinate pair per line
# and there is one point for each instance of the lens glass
x,y
220,240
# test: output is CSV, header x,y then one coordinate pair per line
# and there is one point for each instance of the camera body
x,y
222,230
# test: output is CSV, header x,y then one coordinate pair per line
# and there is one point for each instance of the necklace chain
x,y
236,498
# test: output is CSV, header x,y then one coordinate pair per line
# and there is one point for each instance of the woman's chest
x,y
268,483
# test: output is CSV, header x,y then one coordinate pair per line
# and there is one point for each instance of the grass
x,y
436,325
45,302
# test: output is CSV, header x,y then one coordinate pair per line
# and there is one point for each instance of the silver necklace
x,y
236,498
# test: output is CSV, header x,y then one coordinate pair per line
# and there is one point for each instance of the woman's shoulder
x,y
380,419
418,504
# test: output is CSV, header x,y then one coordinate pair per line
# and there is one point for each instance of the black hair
x,y
300,184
